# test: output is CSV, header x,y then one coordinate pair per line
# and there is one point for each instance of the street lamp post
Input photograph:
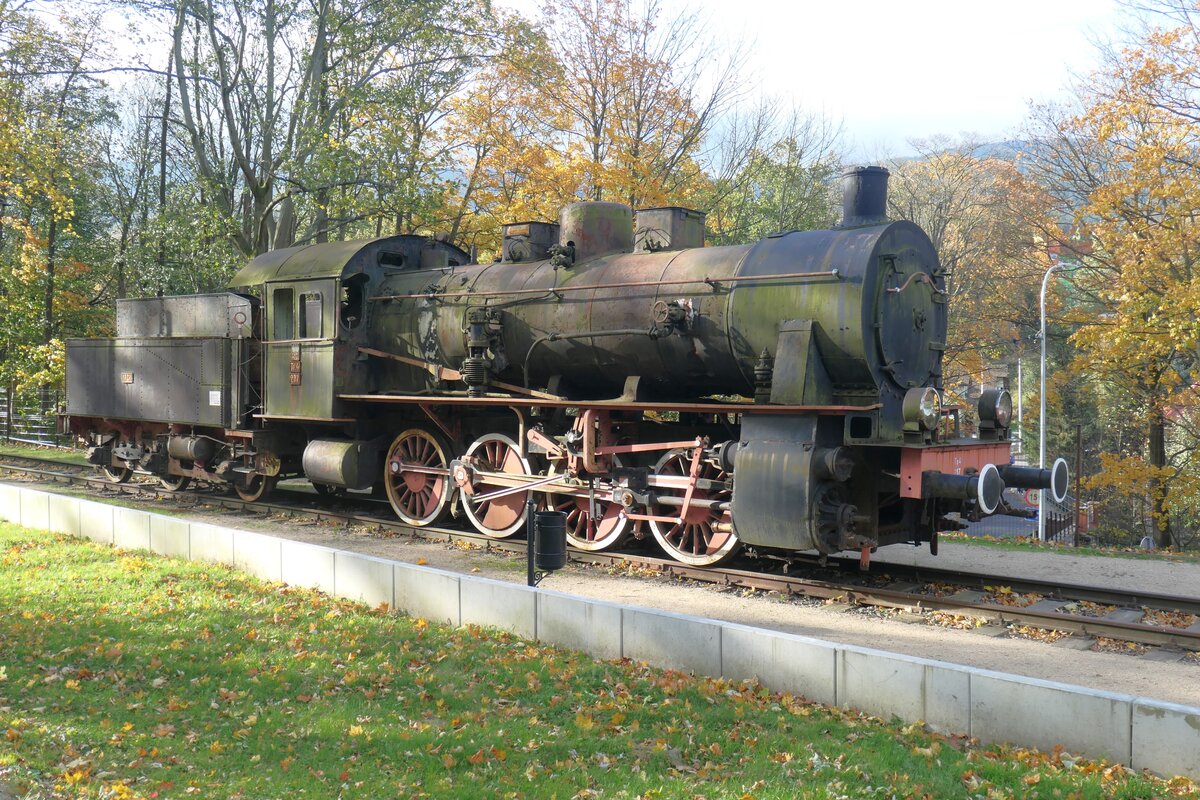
x,y
1042,415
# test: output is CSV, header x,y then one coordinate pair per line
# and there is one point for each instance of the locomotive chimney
x,y
864,196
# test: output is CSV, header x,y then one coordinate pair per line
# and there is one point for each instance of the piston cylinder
x,y
345,463
191,448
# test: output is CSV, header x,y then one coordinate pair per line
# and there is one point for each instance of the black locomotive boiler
x,y
778,396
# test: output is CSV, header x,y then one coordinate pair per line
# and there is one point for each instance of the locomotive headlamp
x,y
995,408
922,406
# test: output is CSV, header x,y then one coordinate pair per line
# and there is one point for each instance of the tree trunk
x,y
1158,487
160,257
48,304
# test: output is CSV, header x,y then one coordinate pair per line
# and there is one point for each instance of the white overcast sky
x,y
895,70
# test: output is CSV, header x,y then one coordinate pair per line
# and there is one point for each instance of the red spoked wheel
x,y
504,516
416,477
696,540
607,530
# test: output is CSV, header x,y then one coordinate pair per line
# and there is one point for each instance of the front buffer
x,y
799,487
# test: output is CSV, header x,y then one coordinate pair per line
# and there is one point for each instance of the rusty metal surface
x,y
774,485
667,228
339,462
951,459
597,229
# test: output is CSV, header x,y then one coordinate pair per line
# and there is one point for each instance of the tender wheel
x,y
253,488
693,541
608,530
504,516
175,483
417,497
117,474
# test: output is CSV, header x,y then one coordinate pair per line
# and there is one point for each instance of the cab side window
x,y
351,310
310,315
283,321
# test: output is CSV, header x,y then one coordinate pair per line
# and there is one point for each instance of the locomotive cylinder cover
x,y
338,462
191,448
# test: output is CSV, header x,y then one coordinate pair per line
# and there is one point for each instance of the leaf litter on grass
x,y
133,676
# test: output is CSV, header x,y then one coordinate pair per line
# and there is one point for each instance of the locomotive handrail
x,y
614,405
712,282
311,340
920,277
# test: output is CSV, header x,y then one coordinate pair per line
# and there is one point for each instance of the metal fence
x,y
32,418
1061,524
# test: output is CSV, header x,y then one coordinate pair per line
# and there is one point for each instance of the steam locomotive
x,y
779,396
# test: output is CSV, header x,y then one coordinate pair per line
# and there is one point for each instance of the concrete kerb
x,y
364,578
210,543
307,565
894,685
782,662
671,640
258,554
10,503
1144,733
579,623
1043,714
96,521
1165,738
131,528
170,536
64,514
427,592
35,509
498,604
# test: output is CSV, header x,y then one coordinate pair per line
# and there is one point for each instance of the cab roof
x,y
341,259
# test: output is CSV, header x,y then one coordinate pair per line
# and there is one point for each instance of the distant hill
x,y
1005,151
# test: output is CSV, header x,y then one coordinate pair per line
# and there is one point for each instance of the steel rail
x,y
789,585
1052,589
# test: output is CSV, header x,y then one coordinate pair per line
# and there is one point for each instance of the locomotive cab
x,y
317,306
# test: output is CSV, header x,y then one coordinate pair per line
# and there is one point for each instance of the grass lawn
x,y
129,675
48,453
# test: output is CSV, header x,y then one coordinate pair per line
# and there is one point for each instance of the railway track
x,y
998,599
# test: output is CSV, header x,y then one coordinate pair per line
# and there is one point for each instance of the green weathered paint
x,y
729,323
328,358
